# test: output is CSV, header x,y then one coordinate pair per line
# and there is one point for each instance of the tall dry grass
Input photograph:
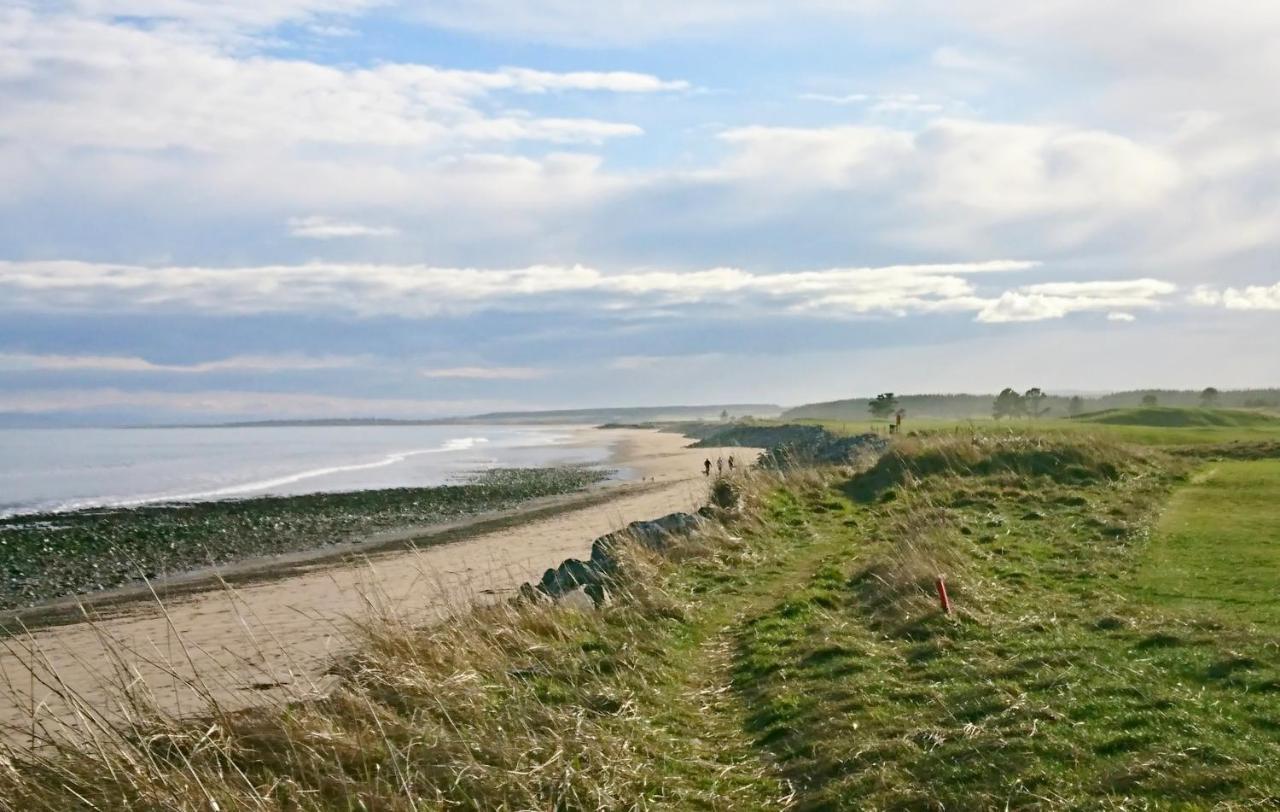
x,y
512,705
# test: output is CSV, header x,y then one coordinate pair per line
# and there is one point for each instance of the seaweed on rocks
x,y
50,556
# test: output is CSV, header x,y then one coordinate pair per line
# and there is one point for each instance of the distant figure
x,y
730,462
706,467
720,465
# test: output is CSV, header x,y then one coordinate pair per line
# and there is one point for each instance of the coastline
x,y
268,631
326,551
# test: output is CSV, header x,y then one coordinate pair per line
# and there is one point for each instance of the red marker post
x,y
942,595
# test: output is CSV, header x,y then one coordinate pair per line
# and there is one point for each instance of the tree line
x,y
1011,403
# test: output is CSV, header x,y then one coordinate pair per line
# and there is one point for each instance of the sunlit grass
x,y
794,655
1217,549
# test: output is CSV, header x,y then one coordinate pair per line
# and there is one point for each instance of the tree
x,y
724,414
1150,400
1075,406
1009,404
1033,402
883,405
1209,398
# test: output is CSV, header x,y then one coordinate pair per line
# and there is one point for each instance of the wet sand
x,y
271,631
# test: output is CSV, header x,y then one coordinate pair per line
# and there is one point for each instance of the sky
x,y
322,208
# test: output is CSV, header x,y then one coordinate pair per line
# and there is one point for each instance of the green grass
x,y
1262,430
1169,417
1217,549
796,659
1048,690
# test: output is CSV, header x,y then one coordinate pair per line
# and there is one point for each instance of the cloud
x,y
232,403
881,103
84,82
17,361
1121,316
223,15
594,25
1253,297
1000,170
1054,300
631,363
319,227
951,58
418,291
485,373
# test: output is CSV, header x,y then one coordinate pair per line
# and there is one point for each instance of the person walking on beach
x,y
720,465
706,467
731,463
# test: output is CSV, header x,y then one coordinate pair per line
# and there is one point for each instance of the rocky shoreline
x,y
45,557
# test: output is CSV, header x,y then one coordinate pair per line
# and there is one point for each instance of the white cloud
x,y
418,291
319,227
239,403
485,373
81,82
1120,316
826,98
1001,170
631,363
588,24
1054,300
223,14
17,361
1252,297
880,103
956,59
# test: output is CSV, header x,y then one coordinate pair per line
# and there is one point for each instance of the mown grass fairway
x,y
1217,547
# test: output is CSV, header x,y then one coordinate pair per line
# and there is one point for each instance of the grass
x,y
1217,548
794,658
1169,417
1263,430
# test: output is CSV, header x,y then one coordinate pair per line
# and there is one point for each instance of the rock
x,y
591,576
529,594
577,599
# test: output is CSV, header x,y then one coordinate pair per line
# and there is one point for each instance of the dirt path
x,y
272,641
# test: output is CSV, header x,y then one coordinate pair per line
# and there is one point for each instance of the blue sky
x,y
294,208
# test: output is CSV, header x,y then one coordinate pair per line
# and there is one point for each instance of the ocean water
x,y
45,470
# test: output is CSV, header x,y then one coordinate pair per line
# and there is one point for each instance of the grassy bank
x,y
50,556
792,657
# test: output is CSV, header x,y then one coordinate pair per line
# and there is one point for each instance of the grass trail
x,y
1048,689
795,659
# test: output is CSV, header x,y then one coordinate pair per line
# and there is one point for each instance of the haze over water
x,y
65,469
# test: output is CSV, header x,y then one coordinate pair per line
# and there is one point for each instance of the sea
x,y
53,470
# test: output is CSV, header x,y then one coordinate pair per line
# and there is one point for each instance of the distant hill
x,y
1171,417
607,414
629,414
968,406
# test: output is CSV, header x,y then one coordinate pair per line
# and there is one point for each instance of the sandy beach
x,y
270,631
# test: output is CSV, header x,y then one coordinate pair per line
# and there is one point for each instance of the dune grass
x,y
1216,552
794,658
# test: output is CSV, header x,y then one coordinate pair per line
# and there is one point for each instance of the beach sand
x,y
269,638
